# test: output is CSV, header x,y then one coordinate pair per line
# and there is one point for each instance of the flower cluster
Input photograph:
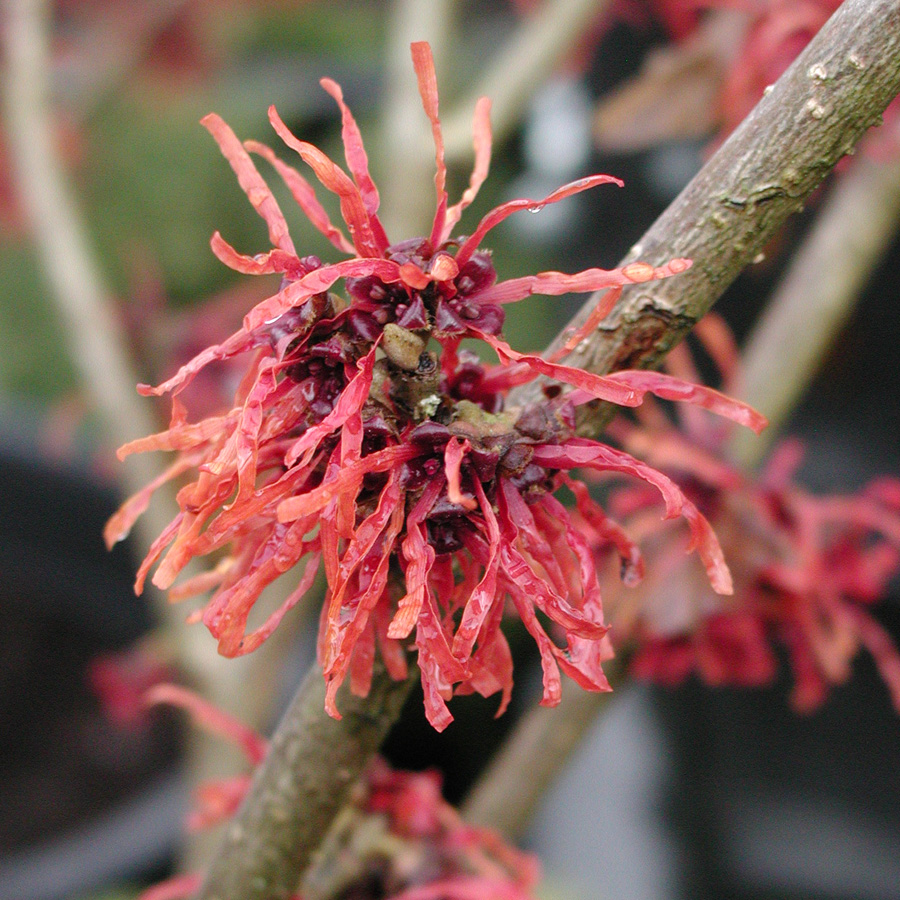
x,y
806,568
364,437
397,838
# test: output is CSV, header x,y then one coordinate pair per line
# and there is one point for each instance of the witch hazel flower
x,y
397,838
807,569
363,439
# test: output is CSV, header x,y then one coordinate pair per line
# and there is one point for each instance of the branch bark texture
x,y
312,763
815,114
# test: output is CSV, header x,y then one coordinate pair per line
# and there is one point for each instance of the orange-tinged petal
x,y
251,181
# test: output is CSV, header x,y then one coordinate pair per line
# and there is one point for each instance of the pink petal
x,y
357,161
555,283
251,181
505,210
240,342
481,129
579,452
600,311
316,282
314,500
603,387
275,261
418,555
669,388
453,457
120,523
350,402
485,596
423,63
303,193
366,240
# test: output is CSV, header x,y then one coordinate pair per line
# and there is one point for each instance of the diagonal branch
x,y
816,112
312,764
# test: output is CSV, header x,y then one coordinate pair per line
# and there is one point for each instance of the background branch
x,y
535,49
407,177
816,296
541,743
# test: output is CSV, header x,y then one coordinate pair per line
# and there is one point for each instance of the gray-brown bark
x,y
312,763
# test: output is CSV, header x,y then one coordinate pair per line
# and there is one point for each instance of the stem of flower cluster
x,y
312,763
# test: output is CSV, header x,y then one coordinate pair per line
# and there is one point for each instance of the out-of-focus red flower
x,y
399,839
351,442
120,681
724,55
806,569
779,30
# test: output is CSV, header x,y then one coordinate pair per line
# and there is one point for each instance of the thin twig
x,y
539,745
96,337
535,49
817,295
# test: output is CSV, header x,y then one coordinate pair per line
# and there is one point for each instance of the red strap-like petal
x,y
497,215
601,387
423,63
353,209
357,161
303,193
481,130
315,282
668,388
251,181
350,401
555,283
312,501
275,261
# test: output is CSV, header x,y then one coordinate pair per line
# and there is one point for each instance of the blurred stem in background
x,y
98,345
817,295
